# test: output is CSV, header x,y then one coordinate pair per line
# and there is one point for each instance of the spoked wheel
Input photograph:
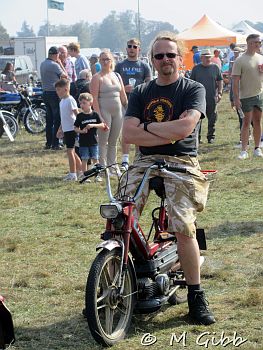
x,y
108,311
12,124
35,123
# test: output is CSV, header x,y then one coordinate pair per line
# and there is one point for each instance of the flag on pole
x,y
55,5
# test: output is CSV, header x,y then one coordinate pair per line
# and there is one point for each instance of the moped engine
x,y
152,293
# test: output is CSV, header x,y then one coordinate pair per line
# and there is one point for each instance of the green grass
x,y
49,231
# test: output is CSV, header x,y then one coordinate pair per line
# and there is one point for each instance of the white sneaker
x,y
258,152
124,166
243,155
70,177
98,178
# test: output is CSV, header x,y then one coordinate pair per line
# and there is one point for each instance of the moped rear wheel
x,y
108,312
35,124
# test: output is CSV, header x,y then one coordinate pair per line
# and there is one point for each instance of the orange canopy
x,y
208,33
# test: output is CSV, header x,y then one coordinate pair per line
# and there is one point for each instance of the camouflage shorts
x,y
185,195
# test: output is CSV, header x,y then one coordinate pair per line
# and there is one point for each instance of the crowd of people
x,y
106,86
244,83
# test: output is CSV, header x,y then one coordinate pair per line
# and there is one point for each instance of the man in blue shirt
x,y
197,55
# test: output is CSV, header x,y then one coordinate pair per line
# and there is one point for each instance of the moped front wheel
x,y
108,310
35,123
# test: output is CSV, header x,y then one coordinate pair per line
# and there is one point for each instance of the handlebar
x,y
160,165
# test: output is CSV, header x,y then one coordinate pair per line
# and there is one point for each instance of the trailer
x,y
37,47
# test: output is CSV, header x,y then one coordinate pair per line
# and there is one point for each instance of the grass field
x,y
49,231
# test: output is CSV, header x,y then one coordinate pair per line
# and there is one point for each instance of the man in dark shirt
x,y
163,118
208,74
133,72
51,72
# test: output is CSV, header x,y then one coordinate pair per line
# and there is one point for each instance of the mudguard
x,y
110,244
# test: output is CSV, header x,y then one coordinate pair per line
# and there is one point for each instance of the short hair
x,y
85,96
169,36
252,36
134,41
84,73
74,47
63,82
109,53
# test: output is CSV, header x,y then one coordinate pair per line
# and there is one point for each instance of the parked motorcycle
x,y
8,125
133,272
27,106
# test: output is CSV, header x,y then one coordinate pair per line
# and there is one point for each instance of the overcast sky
x,y
181,14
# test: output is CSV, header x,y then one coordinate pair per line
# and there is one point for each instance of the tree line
x,y
113,32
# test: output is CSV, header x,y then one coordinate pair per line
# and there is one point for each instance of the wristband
x,y
145,125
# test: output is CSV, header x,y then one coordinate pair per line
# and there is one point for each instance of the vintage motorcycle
x,y
26,105
132,271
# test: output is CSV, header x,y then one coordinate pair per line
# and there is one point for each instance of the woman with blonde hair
x,y
108,98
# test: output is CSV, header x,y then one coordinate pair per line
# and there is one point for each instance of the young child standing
x,y
86,124
68,111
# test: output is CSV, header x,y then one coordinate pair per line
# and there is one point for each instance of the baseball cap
x,y
53,50
206,52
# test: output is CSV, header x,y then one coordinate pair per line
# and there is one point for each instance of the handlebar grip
x,y
176,169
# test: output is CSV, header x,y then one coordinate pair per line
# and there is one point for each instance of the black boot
x,y
198,308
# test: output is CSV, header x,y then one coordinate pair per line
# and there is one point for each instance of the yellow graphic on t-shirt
x,y
159,113
159,110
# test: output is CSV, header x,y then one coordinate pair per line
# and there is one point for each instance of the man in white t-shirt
x,y
247,75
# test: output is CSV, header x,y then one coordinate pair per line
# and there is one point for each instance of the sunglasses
x,y
160,56
105,59
132,46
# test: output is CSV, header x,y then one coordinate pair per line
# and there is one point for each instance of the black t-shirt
x,y
152,102
90,138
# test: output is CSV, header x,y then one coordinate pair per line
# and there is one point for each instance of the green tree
x,y
3,33
110,33
26,31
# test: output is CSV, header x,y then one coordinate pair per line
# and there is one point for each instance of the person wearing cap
x,y
209,74
51,72
247,75
196,55
133,72
95,65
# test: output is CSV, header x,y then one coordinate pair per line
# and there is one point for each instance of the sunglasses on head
x,y
132,46
160,56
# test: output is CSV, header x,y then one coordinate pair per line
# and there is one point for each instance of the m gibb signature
x,y
205,339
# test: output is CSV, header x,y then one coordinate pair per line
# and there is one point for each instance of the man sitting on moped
x,y
163,119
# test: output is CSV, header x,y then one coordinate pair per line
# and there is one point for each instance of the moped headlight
x,y
110,211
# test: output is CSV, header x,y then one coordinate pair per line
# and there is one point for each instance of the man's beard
x,y
166,71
